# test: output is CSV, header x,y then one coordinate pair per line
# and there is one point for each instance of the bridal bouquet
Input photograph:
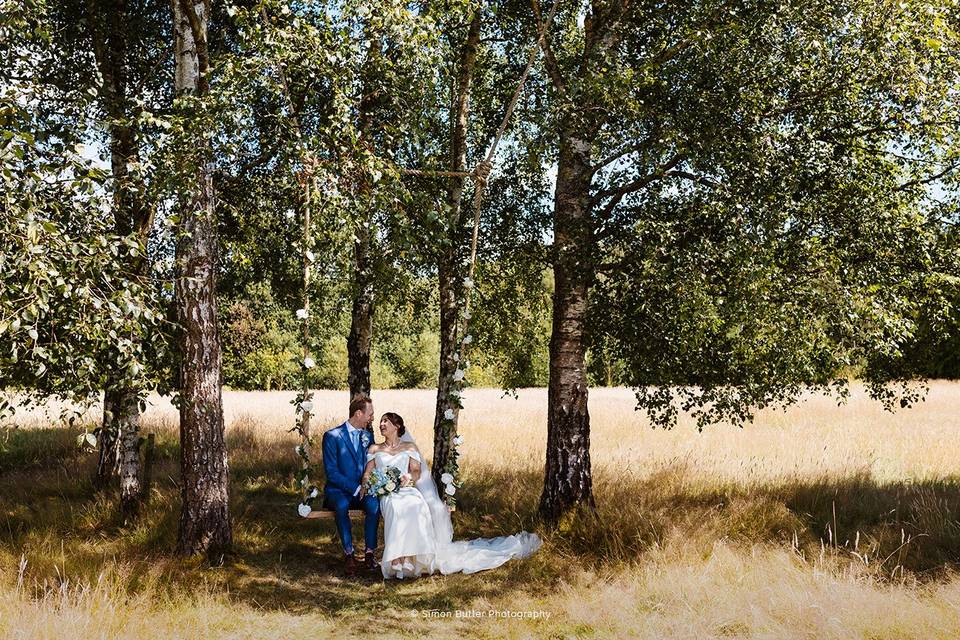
x,y
383,482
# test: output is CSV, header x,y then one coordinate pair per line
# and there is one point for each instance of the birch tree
x,y
205,526
739,204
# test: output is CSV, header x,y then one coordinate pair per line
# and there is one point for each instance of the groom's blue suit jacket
x,y
342,462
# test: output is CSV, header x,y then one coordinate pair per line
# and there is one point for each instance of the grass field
x,y
817,522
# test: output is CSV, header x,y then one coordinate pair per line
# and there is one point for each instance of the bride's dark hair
x,y
397,420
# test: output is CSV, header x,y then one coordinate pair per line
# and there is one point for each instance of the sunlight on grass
x,y
821,521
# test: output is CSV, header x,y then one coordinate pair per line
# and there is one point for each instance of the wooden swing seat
x,y
329,514
325,512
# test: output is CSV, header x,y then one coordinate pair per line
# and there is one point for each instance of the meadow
x,y
822,521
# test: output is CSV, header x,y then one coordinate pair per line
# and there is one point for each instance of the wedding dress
x,y
417,523
407,525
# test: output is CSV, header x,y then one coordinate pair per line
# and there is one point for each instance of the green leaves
x,y
69,308
761,193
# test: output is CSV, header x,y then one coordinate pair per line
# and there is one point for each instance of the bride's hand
x,y
406,480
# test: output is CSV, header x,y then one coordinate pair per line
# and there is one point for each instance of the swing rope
x,y
307,178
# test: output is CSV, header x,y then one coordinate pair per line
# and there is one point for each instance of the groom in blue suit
x,y
344,458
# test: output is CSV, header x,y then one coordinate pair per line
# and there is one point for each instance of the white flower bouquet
x,y
383,482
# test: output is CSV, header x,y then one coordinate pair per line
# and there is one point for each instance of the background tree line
x,y
261,343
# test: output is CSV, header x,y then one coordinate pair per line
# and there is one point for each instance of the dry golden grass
x,y
819,522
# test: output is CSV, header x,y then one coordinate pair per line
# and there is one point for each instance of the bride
x,y
417,529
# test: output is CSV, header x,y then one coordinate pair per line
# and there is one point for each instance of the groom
x,y
344,457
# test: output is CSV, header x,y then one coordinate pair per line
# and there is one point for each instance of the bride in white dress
x,y
417,529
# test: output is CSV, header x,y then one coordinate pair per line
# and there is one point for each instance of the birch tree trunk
x,y
131,493
119,442
107,442
132,217
205,517
449,269
361,314
568,480
361,318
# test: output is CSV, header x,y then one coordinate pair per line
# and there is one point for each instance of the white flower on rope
x,y
310,256
306,406
87,439
309,363
467,339
458,375
304,510
468,282
448,414
299,449
448,479
302,314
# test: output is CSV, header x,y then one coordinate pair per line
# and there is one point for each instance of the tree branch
x,y
923,181
613,157
550,61
669,52
600,26
705,181
618,193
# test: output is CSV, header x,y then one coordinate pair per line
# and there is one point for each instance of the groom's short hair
x,y
359,403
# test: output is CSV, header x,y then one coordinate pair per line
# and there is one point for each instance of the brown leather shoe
x,y
351,565
370,563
